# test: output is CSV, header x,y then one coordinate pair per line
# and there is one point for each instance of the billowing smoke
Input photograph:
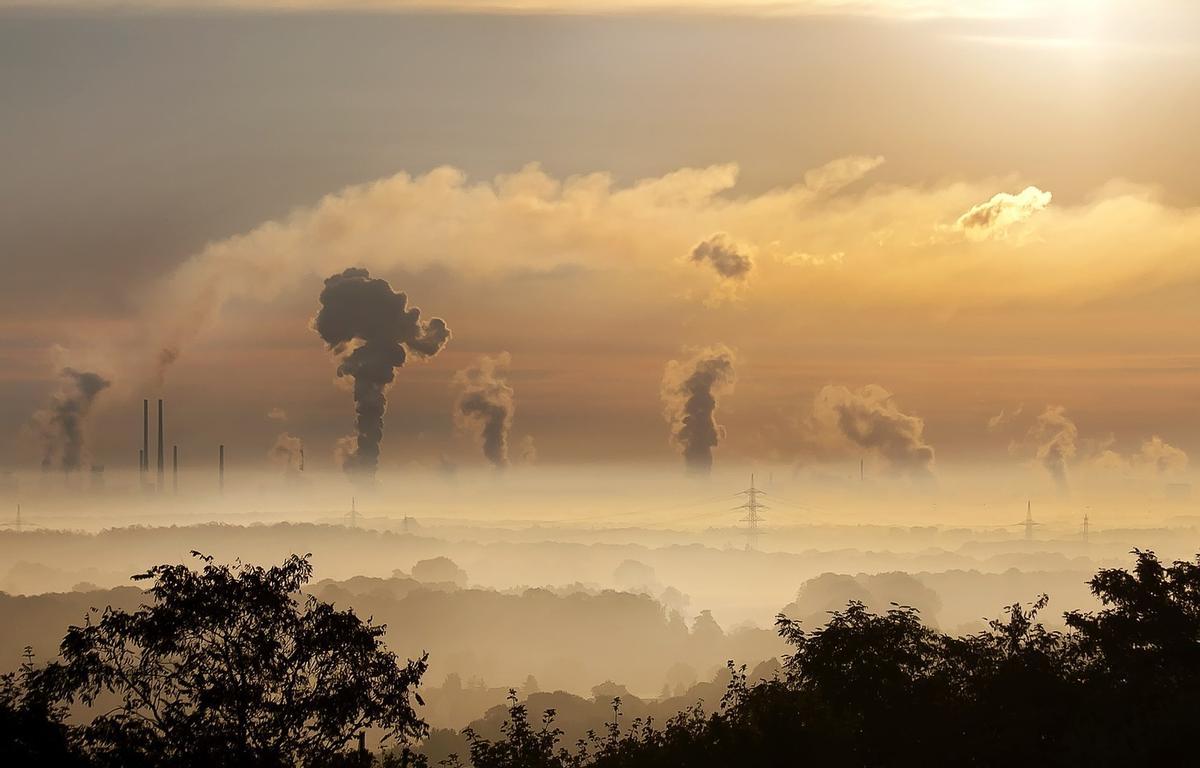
x,y
371,326
485,402
62,422
870,419
1057,441
730,260
689,391
288,451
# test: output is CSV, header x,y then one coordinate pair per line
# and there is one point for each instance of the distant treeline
x,y
232,665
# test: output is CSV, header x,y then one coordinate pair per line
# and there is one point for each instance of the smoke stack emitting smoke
x,y
62,422
371,326
486,402
1056,437
289,451
689,391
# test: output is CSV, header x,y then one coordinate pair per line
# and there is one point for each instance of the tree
x,y
230,665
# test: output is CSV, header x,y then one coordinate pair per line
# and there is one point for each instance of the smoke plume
x,y
731,261
485,402
689,391
62,422
373,330
288,450
1057,440
870,419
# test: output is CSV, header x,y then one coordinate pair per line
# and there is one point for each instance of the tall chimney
x,y
145,437
141,462
174,469
221,469
159,481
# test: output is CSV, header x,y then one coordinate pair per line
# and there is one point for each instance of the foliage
x,y
229,665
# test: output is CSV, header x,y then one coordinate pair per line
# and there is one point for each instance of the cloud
x,y
1056,441
728,259
288,451
277,414
869,419
690,391
874,248
993,219
485,402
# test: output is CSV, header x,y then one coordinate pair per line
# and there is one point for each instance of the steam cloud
x,y
62,422
371,327
730,260
870,419
486,402
1057,440
689,391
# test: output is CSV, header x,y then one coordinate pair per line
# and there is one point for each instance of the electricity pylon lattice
x,y
752,508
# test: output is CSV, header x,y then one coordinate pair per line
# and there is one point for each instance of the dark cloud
x,y
485,402
372,328
731,261
689,390
62,422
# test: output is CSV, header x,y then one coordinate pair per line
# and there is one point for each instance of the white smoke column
x,y
371,326
62,422
1057,441
690,389
485,402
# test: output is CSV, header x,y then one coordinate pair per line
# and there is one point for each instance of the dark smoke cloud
x,y
1057,441
62,422
689,391
729,260
373,329
166,356
485,402
870,419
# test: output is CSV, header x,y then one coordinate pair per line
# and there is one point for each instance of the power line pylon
x,y
752,519
1086,526
352,515
1029,522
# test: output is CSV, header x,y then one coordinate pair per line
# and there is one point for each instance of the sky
x,y
917,233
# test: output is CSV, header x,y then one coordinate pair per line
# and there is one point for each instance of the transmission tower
x,y
1029,523
752,519
1086,525
353,514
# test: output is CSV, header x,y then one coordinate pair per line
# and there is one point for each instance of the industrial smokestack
x,y
174,469
141,461
159,480
221,469
145,438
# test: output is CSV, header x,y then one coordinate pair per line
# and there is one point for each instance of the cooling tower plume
x,y
690,389
1056,437
62,422
485,402
373,330
288,451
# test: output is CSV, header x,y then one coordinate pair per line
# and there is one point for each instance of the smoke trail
x,y
62,422
1056,437
486,402
371,326
689,392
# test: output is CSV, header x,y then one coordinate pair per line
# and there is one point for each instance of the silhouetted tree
x,y
229,665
